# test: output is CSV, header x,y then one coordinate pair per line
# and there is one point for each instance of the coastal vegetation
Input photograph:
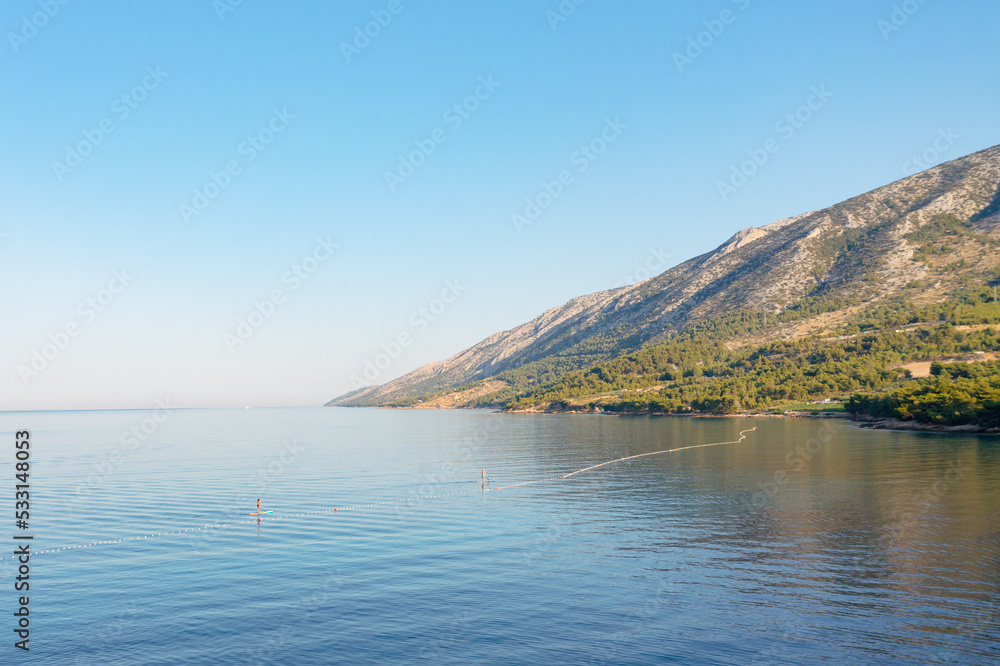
x,y
702,376
954,394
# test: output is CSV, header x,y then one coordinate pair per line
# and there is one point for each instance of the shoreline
x,y
872,423
860,421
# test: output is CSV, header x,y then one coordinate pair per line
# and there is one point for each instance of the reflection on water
x,y
812,539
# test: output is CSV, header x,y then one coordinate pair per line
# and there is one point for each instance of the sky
x,y
224,203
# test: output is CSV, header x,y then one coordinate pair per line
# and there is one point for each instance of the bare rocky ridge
x,y
855,247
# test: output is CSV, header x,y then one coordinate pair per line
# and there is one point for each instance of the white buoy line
x,y
355,507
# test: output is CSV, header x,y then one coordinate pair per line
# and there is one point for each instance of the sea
x,y
457,539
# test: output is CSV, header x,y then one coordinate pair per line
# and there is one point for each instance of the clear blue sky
x,y
553,86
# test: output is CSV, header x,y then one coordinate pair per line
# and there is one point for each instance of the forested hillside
x,y
819,305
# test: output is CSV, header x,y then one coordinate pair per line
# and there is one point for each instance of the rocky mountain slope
x,y
861,248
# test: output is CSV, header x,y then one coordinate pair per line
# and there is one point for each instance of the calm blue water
x,y
861,547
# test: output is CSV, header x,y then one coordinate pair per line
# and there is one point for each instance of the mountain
x,y
923,237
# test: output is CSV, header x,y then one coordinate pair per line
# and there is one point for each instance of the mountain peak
x,y
863,248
